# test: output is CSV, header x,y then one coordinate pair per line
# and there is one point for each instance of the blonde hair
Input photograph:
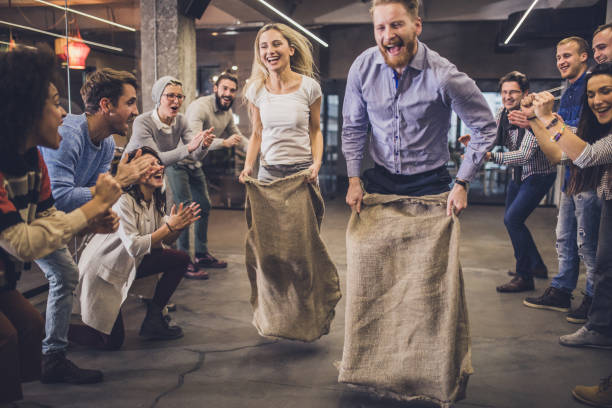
x,y
301,62
583,46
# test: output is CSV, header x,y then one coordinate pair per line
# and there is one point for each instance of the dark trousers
x,y
381,181
521,200
600,314
171,264
21,334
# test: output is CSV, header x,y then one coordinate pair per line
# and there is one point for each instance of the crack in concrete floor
x,y
199,364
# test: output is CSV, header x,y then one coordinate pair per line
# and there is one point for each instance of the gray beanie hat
x,y
160,85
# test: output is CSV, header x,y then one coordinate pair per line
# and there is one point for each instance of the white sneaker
x,y
584,337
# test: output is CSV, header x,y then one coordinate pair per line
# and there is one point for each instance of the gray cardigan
x,y
171,147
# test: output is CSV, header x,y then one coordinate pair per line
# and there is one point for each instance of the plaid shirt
x,y
528,154
599,154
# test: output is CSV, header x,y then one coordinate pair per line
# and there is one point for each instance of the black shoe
x,y
56,368
551,299
580,315
517,284
539,273
156,327
208,261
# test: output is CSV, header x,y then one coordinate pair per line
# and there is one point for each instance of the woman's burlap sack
x,y
406,332
294,283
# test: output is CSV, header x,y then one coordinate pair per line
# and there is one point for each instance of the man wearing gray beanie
x,y
166,130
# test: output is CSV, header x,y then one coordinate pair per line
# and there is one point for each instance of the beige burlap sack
x,y
406,333
294,283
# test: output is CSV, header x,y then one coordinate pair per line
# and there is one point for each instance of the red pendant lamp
x,y
76,52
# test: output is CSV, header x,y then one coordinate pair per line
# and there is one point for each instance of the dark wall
x,y
469,45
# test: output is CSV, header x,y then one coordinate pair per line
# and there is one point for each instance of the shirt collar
x,y
579,82
417,62
214,103
161,125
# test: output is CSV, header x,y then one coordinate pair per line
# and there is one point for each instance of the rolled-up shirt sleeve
x,y
470,105
519,157
355,123
596,154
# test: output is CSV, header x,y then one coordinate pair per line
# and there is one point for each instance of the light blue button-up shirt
x,y
410,123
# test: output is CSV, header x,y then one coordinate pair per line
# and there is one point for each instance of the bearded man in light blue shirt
x,y
406,92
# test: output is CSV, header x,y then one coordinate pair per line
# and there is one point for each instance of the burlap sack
x,y
407,333
294,283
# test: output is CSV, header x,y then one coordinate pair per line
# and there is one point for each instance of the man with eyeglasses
x,y
167,131
531,177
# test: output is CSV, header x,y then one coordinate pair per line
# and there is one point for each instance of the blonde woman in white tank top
x,y
284,103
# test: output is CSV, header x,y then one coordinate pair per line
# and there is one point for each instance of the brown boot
x,y
595,395
517,284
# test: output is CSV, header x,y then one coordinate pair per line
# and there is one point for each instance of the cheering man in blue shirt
x,y
406,92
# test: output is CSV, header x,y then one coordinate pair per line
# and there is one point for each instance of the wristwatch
x,y
462,183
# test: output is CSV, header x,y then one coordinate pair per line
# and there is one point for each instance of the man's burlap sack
x,y
294,283
407,333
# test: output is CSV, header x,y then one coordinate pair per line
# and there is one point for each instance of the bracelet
x,y
555,138
534,117
462,183
552,123
170,229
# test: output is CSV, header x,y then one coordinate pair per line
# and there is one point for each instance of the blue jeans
x,y
577,230
190,185
63,275
521,200
600,314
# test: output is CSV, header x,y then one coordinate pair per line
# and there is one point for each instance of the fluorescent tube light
x,y
36,30
295,23
18,45
520,22
87,15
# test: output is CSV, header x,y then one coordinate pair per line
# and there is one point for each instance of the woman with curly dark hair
x,y
30,226
111,262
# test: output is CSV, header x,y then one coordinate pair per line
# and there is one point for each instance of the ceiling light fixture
x,y
36,30
520,22
295,23
87,15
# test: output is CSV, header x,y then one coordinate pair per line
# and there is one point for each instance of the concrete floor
x,y
222,362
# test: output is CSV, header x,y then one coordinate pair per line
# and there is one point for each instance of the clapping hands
x,y
183,216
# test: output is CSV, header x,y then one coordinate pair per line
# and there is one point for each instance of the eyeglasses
x,y
178,97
